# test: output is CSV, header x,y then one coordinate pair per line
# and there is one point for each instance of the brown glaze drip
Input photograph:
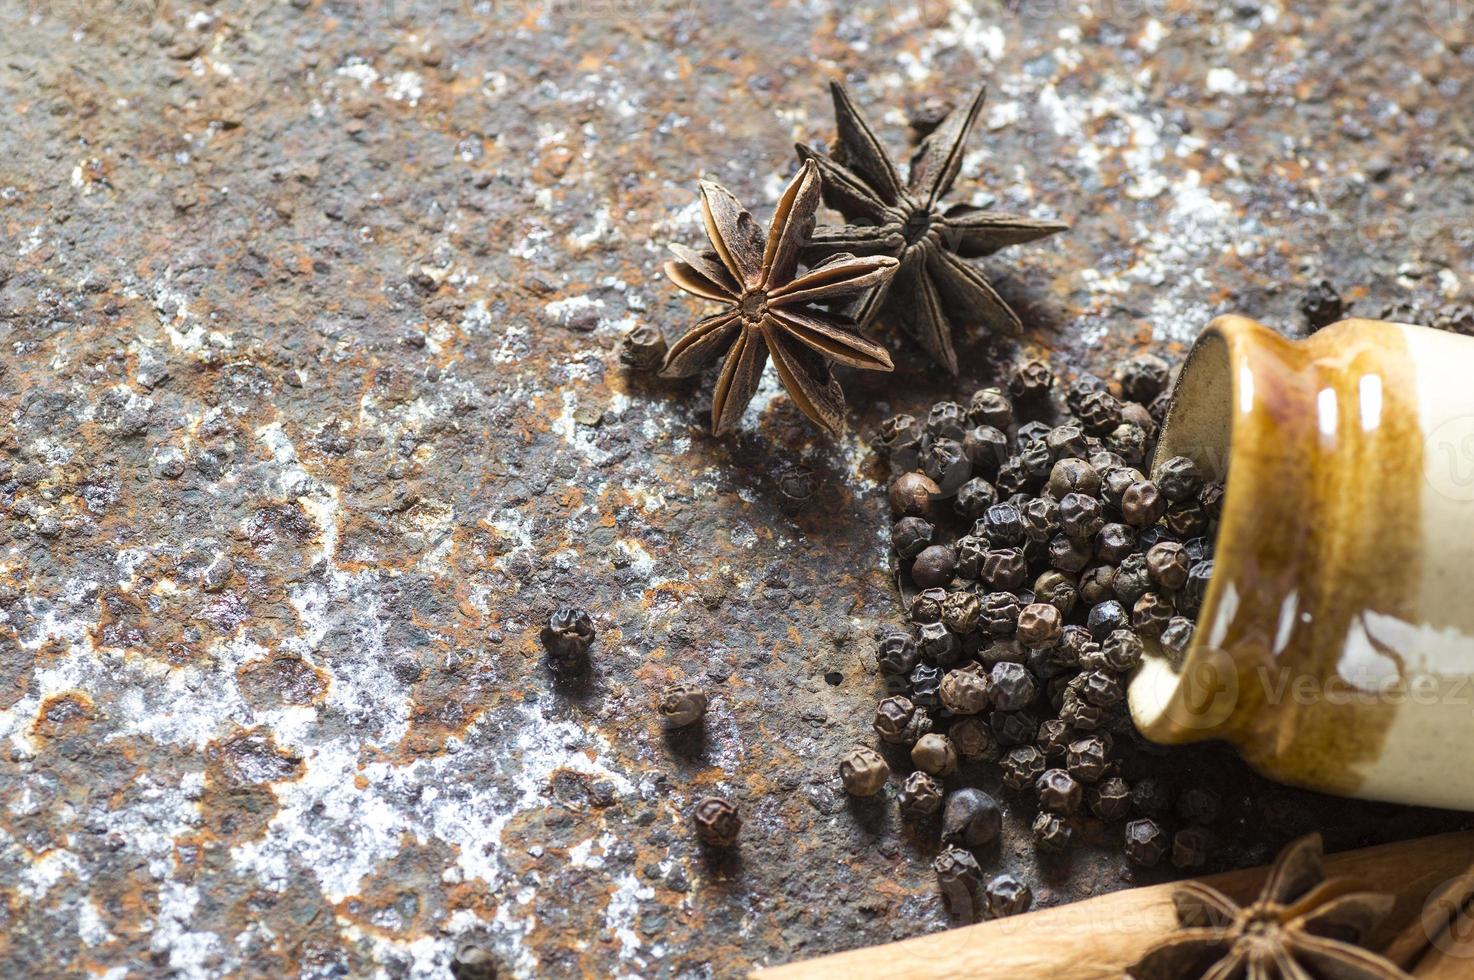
x,y
1321,529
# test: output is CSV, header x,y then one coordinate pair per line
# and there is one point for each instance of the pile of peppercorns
x,y
1037,564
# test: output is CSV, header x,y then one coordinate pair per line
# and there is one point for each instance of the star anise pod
x,y
770,308
934,288
1301,927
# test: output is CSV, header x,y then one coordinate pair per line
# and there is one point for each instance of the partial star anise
x,y
934,288
770,310
1302,927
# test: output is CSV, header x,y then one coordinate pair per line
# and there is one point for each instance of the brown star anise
x,y
1301,927
770,309
933,288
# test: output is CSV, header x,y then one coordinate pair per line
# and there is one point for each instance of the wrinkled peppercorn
x,y
1021,766
1131,579
1003,569
1006,895
1142,504
567,638
1052,832
1039,625
920,796
926,607
717,821
938,645
1067,441
1080,516
1146,843
1150,797
1012,685
1081,714
1144,377
990,406
911,495
1114,482
896,653
1100,688
1122,650
1030,380
893,719
1087,759
1111,800
961,612
1210,498
946,420
965,692
643,348
945,464
1167,565
970,552
1186,519
1055,588
1073,475
1059,792
898,431
681,704
971,818
974,498
1177,635
986,448
1053,739
1013,727
1106,617
999,612
973,738
1128,440
934,753
1114,542
958,878
926,681
863,771
911,535
1151,614
1179,478
1099,412
1002,526
1068,554
1198,577
1096,585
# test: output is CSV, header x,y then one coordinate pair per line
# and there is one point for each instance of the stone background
x,y
313,411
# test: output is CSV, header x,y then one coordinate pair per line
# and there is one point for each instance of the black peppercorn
x,y
1186,519
958,878
1150,797
681,704
927,606
898,430
974,498
567,638
1087,759
910,535
926,681
643,348
1031,380
1032,432
1065,441
1059,792
970,549
999,613
1115,480
912,495
1012,728
893,718
1081,714
965,691
1198,577
934,566
934,753
863,771
1003,569
1151,614
1055,588
973,738
1080,516
946,420
1191,847
717,822
961,612
1138,414
1114,542
990,406
1052,832
1146,843
1198,549
1068,554
1129,441
1111,800
1095,585
945,464
1143,377
920,796
1167,565
1036,462
971,818
1122,650
1106,617
1053,739
1177,636
1142,504
1179,479
1012,685
938,645
986,448
1083,385
1007,895
1198,804
1099,412
1210,498
1075,645
1002,526
896,653
1021,766
1041,518
1039,625
1013,476
1131,578
1100,688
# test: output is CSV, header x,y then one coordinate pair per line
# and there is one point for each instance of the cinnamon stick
x,y
1098,938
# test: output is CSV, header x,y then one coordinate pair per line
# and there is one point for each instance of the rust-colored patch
x,y
64,714
279,680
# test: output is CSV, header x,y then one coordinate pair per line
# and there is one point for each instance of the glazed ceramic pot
x,y
1335,645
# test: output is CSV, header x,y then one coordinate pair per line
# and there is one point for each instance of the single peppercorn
x,y
934,753
971,818
1179,478
990,406
1083,385
1128,440
946,420
970,550
1210,498
920,796
961,612
926,607
1036,462
473,961
1054,739
925,682
1039,625
911,535
1115,480
1142,504
1151,614
1146,843
1080,516
1106,617
1114,542
1131,578
1143,377
1099,412
1198,549
1096,585
973,738
1191,847
999,613
938,645
893,719
1122,650
958,878
1073,475
1059,792
1006,895
1041,518
1198,577
1074,646
1100,688
1012,728
1031,380
986,449
1177,636
567,638
1021,766
1068,554
1087,759
1186,519
1138,414
863,771
1055,588
1052,832
896,652
1198,804
1002,526
945,464
1111,800
1081,714
1167,565
681,704
1066,441
974,498
896,431
643,348
1013,476
1012,685
717,821
934,566
965,691
1003,569
912,494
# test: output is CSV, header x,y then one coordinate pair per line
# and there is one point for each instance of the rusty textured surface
x,y
313,409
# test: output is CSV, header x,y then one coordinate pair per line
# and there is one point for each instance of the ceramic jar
x,y
1335,645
